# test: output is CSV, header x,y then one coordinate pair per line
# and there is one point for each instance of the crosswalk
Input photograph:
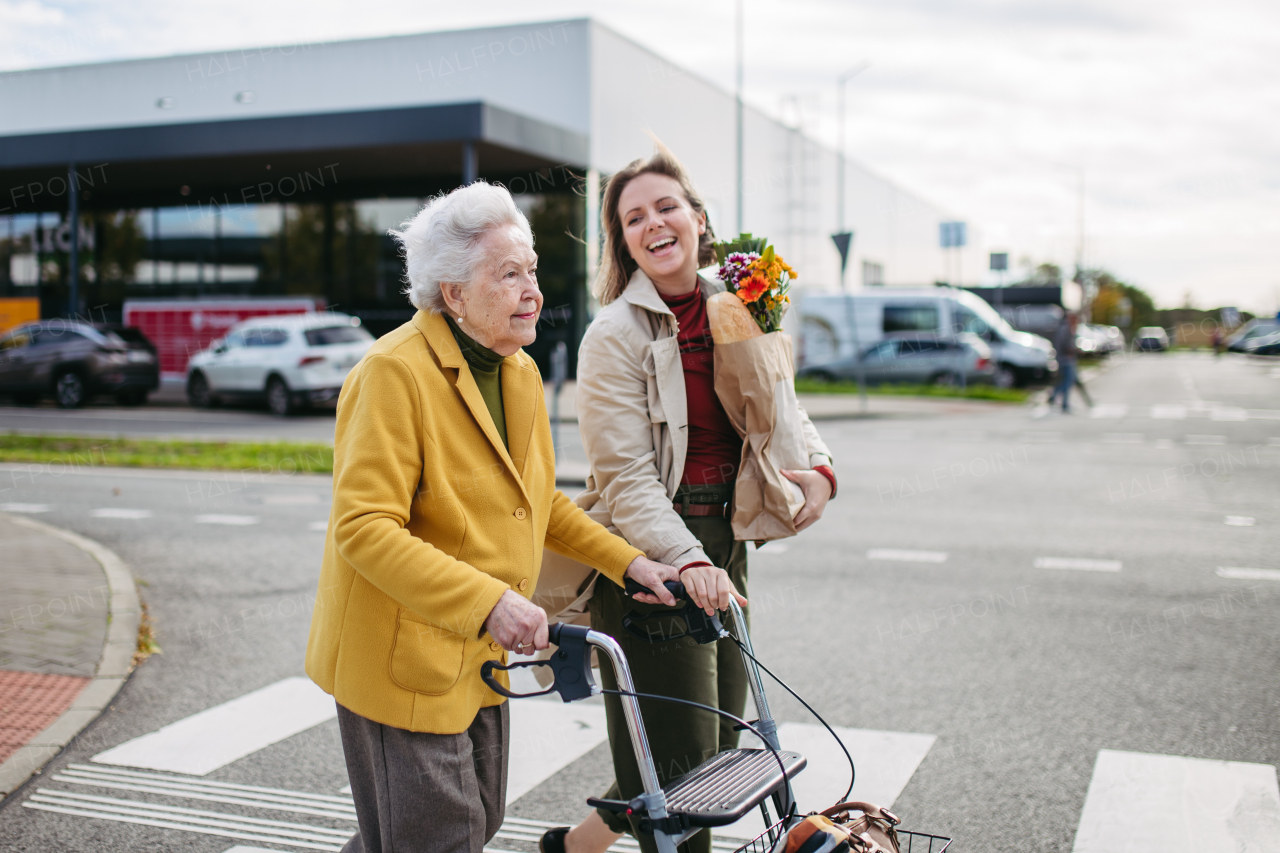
x,y
1137,802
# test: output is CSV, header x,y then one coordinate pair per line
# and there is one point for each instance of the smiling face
x,y
499,307
661,230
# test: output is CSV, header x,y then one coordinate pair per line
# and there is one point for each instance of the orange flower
x,y
752,288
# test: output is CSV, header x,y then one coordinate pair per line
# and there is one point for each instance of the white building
x,y
276,169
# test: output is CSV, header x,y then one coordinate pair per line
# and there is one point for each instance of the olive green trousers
x,y
680,737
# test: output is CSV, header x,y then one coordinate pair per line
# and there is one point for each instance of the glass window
x,y
329,335
16,339
884,349
967,321
233,340
265,337
910,318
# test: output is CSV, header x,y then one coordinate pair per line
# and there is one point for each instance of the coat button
x,y
520,513
524,584
495,647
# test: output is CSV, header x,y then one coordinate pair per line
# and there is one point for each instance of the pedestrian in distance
x,y
1064,343
664,458
444,499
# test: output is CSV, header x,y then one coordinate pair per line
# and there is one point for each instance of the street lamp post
x,y
737,107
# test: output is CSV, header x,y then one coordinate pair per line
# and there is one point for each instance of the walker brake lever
x,y
570,666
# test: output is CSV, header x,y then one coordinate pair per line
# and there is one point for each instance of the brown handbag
x,y
874,829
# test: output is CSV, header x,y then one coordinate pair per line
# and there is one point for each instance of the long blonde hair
x,y
617,265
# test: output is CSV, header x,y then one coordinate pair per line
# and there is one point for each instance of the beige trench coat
x,y
634,423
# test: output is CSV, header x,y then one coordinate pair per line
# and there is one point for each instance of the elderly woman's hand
x,y
517,624
817,491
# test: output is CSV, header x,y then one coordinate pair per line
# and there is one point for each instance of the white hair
x,y
442,241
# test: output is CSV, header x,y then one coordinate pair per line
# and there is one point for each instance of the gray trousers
x,y
416,791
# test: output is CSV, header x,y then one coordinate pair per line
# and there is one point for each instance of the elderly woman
x,y
443,500
664,458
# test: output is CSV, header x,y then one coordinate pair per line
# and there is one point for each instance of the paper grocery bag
x,y
755,381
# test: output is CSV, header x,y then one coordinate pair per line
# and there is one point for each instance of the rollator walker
x,y
724,788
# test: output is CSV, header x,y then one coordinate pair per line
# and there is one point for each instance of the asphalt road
x,y
943,593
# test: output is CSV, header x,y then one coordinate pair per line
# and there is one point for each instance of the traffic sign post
x,y
844,242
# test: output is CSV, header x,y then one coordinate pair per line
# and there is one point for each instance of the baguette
x,y
730,320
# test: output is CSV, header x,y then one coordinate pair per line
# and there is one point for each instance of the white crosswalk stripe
x,y
120,512
1147,803
1082,564
27,508
232,520
217,736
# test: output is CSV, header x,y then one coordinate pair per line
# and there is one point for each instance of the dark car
x,y
914,359
73,361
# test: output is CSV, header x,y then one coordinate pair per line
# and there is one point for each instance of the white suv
x,y
290,361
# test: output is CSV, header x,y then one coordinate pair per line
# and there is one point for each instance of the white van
x,y
835,326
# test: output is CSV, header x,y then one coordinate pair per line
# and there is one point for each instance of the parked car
x,y
1151,339
914,359
1250,332
73,362
834,326
1265,344
1098,340
290,361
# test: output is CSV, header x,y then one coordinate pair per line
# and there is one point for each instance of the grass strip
x,y
972,392
282,457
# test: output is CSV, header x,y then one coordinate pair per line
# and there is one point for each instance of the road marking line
x,y
207,818
1169,413
1109,410
1146,803
907,556
1245,574
886,761
161,823
225,733
1080,563
1205,439
1228,413
1123,438
291,500
240,848
319,526
26,508
236,520
546,736
1239,521
116,512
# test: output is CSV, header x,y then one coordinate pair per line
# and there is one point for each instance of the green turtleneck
x,y
485,367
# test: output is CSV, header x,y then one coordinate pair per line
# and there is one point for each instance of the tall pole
x,y
738,49
73,265
851,317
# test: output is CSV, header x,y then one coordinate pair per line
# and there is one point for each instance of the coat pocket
x,y
425,658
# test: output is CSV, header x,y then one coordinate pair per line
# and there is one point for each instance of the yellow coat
x,y
432,521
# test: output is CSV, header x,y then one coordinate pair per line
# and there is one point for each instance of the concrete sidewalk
x,y
68,632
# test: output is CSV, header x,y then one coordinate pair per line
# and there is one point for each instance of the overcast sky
x,y
993,110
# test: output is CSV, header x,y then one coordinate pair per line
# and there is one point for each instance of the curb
x,y
123,616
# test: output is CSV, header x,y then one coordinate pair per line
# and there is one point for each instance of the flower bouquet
x,y
755,381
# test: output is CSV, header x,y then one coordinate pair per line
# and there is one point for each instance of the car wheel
x,y
199,394
69,389
279,397
131,397
1004,377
